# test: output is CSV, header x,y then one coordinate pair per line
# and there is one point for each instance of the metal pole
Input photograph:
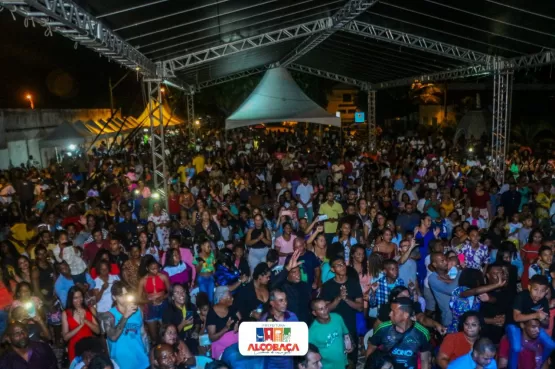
x,y
111,95
155,113
191,113
371,120
502,92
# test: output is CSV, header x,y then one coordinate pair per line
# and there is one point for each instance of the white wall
x,y
18,152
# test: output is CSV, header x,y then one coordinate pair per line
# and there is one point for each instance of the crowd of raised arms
x,y
415,255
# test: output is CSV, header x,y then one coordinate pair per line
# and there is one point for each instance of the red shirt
x,y
529,358
174,205
480,202
91,249
114,270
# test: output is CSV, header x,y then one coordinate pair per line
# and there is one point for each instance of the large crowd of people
x,y
416,255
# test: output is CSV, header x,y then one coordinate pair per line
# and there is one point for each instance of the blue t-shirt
x,y
129,351
466,362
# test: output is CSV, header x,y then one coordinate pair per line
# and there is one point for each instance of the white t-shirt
x,y
304,193
105,302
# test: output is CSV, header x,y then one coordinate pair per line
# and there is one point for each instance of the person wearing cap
x,y
402,337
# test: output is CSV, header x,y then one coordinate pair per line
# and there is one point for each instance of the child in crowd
x,y
379,293
530,304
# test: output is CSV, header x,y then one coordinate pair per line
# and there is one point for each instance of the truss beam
x,y
190,113
249,43
346,14
155,113
371,119
521,62
231,77
296,67
71,21
417,42
328,75
502,93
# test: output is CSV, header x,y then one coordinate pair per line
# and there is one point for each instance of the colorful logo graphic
x,y
273,338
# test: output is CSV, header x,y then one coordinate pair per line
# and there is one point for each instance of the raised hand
x,y
229,323
294,261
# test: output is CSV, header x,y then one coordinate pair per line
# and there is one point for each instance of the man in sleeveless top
x,y
127,339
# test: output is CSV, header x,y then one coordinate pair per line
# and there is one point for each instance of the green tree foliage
x,y
528,132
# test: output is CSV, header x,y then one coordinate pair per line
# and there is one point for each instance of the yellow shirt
x,y
182,171
198,162
20,233
333,212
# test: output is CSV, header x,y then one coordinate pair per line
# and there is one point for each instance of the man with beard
x,y
24,353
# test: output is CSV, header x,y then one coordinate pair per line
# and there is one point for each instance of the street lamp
x,y
197,122
30,98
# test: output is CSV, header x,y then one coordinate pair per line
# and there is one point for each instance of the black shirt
x,y
331,289
501,306
118,259
403,347
214,319
524,304
245,301
298,296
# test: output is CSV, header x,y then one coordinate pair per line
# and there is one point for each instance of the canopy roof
x,y
75,133
277,98
375,41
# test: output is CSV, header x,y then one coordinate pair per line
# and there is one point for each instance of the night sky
x,y
55,73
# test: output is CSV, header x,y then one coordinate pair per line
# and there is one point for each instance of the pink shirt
x,y
285,247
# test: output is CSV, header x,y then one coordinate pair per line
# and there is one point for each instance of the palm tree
x,y
426,93
532,134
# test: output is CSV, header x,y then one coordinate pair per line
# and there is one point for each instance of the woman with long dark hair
x,y
182,314
177,270
78,321
153,288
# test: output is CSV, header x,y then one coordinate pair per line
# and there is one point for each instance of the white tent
x,y
277,98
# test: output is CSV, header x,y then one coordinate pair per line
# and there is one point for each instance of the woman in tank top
x,y
153,287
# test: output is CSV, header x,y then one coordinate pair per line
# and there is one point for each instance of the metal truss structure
x,y
72,21
520,62
417,42
371,119
346,14
232,77
264,39
157,142
328,75
502,94
296,67
190,112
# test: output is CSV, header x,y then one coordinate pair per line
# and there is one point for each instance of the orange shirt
x,y
455,345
